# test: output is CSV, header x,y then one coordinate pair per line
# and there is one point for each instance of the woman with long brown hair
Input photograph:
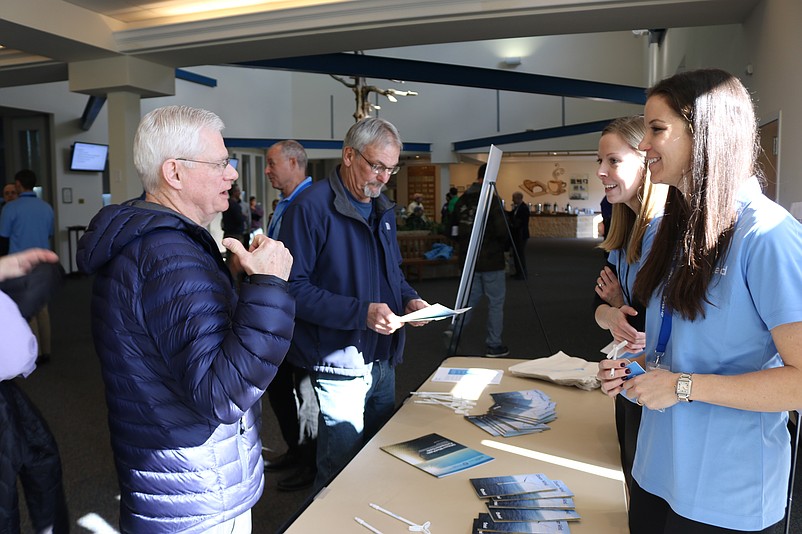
x,y
724,318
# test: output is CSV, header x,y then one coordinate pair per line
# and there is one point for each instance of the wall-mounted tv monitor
x,y
234,162
89,157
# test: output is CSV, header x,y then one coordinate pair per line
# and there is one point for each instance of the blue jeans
x,y
352,410
494,285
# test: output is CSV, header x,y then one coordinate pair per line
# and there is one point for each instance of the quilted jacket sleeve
x,y
221,351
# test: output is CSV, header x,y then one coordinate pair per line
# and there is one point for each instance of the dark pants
x,y
29,452
292,399
649,514
519,255
627,423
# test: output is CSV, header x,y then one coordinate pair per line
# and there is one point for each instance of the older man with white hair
x,y
185,359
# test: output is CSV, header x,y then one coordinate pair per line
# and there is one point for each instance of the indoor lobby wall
x,y
554,174
259,103
774,42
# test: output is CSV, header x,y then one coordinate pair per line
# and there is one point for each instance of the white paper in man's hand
x,y
435,312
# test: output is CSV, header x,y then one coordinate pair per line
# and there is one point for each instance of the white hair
x,y
169,132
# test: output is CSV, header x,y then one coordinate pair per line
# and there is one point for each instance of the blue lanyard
x,y
665,332
665,315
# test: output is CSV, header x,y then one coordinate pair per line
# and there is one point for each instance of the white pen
x,y
367,526
413,527
613,355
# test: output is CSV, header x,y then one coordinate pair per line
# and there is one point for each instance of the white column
x,y
124,80
124,115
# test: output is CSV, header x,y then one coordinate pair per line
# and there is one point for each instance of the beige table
x,y
583,433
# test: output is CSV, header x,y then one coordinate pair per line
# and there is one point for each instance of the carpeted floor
x,y
549,312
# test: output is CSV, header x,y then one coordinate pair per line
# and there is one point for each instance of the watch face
x,y
684,386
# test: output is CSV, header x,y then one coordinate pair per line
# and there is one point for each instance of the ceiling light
x,y
512,61
191,8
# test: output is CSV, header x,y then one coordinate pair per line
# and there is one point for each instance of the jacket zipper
x,y
243,449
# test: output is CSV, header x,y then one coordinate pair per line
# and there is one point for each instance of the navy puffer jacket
x,y
185,363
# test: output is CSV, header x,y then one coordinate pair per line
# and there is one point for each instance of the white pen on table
x,y
613,355
367,525
413,527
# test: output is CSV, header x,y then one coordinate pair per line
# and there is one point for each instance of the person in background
x,y
9,194
246,214
273,205
416,220
637,208
489,272
235,224
416,207
454,198
30,455
291,394
184,358
519,228
607,214
713,447
257,216
28,223
445,211
350,292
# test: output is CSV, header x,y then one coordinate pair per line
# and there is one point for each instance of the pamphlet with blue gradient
x,y
437,455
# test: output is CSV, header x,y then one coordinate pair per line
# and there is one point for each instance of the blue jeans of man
x,y
493,284
352,410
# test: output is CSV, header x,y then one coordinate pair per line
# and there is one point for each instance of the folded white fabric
x,y
560,369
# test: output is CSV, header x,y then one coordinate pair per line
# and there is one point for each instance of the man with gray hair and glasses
x,y
350,292
185,359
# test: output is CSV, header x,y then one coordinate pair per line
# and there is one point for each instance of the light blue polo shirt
x,y
627,272
712,464
27,223
275,222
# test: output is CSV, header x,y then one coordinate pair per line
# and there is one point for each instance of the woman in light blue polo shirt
x,y
637,207
722,283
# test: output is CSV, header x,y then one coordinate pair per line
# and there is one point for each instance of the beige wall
x,y
515,171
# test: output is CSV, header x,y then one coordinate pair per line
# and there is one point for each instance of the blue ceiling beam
x,y
459,75
95,103
92,108
264,143
187,76
533,135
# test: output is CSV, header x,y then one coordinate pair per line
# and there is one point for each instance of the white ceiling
x,y
39,48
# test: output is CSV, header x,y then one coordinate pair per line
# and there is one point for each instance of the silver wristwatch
x,y
684,385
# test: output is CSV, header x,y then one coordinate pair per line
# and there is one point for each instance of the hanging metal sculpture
x,y
361,89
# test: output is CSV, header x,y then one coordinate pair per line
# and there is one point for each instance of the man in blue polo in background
x,y
290,393
28,223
